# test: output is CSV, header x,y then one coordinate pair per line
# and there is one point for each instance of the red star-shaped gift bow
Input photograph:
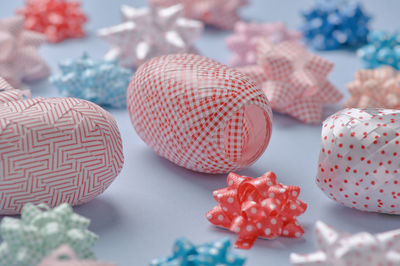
x,y
257,207
294,80
57,19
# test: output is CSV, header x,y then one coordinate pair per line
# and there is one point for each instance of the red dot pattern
x,y
359,159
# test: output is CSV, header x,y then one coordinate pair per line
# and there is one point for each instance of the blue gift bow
x,y
100,81
208,254
383,49
334,24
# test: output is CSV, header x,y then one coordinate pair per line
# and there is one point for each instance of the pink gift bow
x,y
257,207
9,94
19,56
294,80
65,256
337,248
219,13
243,42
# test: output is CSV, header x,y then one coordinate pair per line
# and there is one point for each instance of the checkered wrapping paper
x,y
294,80
40,230
100,81
198,113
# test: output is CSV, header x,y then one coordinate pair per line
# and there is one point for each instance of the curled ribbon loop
x,y
99,81
337,248
65,256
19,56
259,207
294,80
383,48
377,88
335,24
40,230
150,32
208,254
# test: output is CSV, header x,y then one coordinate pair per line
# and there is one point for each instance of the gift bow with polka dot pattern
x,y
337,248
259,207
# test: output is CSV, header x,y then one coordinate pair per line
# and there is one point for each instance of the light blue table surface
x,y
152,202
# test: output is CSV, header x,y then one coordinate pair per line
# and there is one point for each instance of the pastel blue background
x,y
152,202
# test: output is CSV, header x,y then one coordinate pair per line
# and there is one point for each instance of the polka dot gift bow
x,y
57,19
335,24
294,80
375,88
337,248
382,49
100,81
40,230
243,42
259,207
359,159
208,254
219,13
149,32
65,256
19,56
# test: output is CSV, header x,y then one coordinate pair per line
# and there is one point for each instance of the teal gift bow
x,y
208,254
40,230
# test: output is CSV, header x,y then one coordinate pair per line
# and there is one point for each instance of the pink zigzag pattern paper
x,y
56,150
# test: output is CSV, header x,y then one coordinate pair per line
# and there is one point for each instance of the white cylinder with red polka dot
x,y
360,159
198,113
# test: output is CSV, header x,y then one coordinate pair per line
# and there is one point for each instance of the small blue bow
x,y
335,24
208,254
382,49
100,81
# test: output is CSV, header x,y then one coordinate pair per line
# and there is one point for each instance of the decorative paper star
x,y
337,248
294,80
40,230
382,49
100,81
243,42
149,32
57,19
259,207
219,13
65,256
19,56
208,254
375,88
335,24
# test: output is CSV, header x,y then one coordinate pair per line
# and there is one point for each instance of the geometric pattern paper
x,y
56,150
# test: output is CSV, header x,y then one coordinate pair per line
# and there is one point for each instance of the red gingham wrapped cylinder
x,y
199,114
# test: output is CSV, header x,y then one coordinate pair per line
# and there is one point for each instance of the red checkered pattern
x,y
55,150
219,13
295,81
198,113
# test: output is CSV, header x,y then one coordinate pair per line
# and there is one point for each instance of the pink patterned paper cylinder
x,y
56,150
199,114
